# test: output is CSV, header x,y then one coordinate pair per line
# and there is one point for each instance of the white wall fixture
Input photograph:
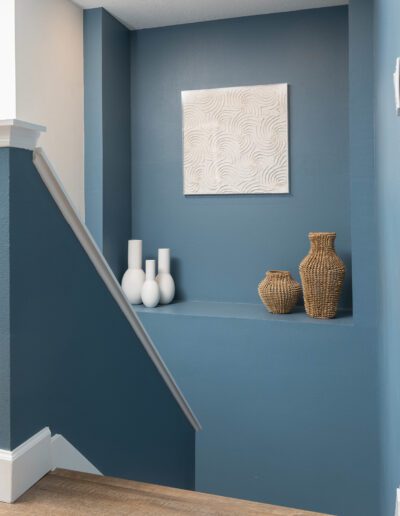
x,y
235,140
164,279
396,77
133,279
150,289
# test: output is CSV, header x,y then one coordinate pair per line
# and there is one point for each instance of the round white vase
x,y
133,279
164,279
150,289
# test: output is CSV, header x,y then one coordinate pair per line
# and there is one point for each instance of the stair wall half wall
x,y
75,362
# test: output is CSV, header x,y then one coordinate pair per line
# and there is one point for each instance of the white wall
x,y
49,84
7,60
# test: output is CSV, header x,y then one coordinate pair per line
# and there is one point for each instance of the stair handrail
x,y
56,189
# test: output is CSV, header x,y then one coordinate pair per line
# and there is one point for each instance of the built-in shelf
x,y
239,311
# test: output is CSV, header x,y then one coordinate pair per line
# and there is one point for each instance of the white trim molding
x,y
21,468
66,456
24,466
60,197
19,134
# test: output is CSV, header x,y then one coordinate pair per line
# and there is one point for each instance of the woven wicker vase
x,y
279,292
322,275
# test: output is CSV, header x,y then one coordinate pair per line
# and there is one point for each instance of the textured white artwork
x,y
235,140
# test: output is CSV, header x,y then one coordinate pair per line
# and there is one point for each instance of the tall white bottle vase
x,y
133,279
164,279
150,289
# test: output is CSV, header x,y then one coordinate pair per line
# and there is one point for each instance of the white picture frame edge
x,y
236,194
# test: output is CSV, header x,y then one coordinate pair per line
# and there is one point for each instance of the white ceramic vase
x,y
133,279
150,289
164,279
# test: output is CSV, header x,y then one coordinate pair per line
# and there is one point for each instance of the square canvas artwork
x,y
235,140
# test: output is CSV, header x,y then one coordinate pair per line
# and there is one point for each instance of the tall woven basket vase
x,y
322,275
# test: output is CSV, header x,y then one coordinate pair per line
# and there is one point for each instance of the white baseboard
x,y
22,467
66,456
29,462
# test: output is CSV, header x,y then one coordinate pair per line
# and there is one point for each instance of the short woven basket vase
x,y
322,275
279,292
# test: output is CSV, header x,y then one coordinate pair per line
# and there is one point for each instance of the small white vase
x,y
164,279
150,289
133,279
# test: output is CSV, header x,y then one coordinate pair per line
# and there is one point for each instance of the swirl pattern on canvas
x,y
235,140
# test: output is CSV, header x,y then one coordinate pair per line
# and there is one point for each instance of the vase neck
x,y
322,241
278,274
135,254
150,270
164,261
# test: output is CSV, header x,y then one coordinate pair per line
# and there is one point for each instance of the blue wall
x,y
107,135
388,179
224,244
77,366
290,408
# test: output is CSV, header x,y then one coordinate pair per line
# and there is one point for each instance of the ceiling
x,y
143,14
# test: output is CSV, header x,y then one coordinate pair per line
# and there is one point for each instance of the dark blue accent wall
x,y
117,143
5,428
77,365
107,135
224,244
387,37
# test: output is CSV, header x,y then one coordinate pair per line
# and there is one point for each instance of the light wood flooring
x,y
65,492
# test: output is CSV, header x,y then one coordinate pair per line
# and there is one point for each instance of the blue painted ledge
x,y
241,311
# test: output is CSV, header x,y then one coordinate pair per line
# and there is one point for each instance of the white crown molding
x,y
22,467
60,197
19,134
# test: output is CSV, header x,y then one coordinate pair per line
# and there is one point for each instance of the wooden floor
x,y
65,492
